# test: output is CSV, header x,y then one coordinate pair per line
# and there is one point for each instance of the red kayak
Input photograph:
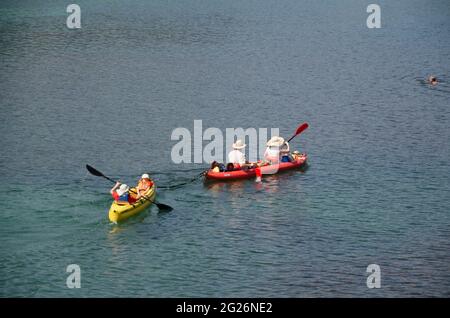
x,y
299,162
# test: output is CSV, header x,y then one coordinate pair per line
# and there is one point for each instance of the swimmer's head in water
x,y
432,79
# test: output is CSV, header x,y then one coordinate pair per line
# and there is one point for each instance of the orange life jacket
x,y
144,185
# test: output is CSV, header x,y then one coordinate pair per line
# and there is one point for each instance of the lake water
x,y
377,189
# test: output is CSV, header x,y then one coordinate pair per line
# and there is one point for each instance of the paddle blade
x,y
94,171
164,207
301,128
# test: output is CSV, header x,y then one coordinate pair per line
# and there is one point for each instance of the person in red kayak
x,y
285,152
144,184
236,156
120,194
272,153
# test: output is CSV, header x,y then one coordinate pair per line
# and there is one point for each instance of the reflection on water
x,y
235,191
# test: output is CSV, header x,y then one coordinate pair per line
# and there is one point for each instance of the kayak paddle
x,y
170,187
299,130
95,172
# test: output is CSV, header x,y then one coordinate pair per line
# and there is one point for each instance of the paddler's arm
x,y
138,191
115,187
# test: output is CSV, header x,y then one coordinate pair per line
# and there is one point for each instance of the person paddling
x,y
236,157
144,184
285,152
120,194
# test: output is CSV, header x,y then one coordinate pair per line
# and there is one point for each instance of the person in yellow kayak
x,y
144,184
121,195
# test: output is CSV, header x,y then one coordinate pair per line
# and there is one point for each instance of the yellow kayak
x,y
119,212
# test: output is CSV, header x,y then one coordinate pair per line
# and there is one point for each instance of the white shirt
x,y
235,156
272,154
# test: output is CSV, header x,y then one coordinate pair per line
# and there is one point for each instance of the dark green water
x,y
110,94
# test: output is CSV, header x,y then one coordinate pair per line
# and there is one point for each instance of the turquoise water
x,y
110,94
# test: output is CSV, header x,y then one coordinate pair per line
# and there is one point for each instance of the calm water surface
x,y
110,94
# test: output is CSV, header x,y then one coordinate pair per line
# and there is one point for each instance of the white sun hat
x,y
122,189
145,176
275,141
239,145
